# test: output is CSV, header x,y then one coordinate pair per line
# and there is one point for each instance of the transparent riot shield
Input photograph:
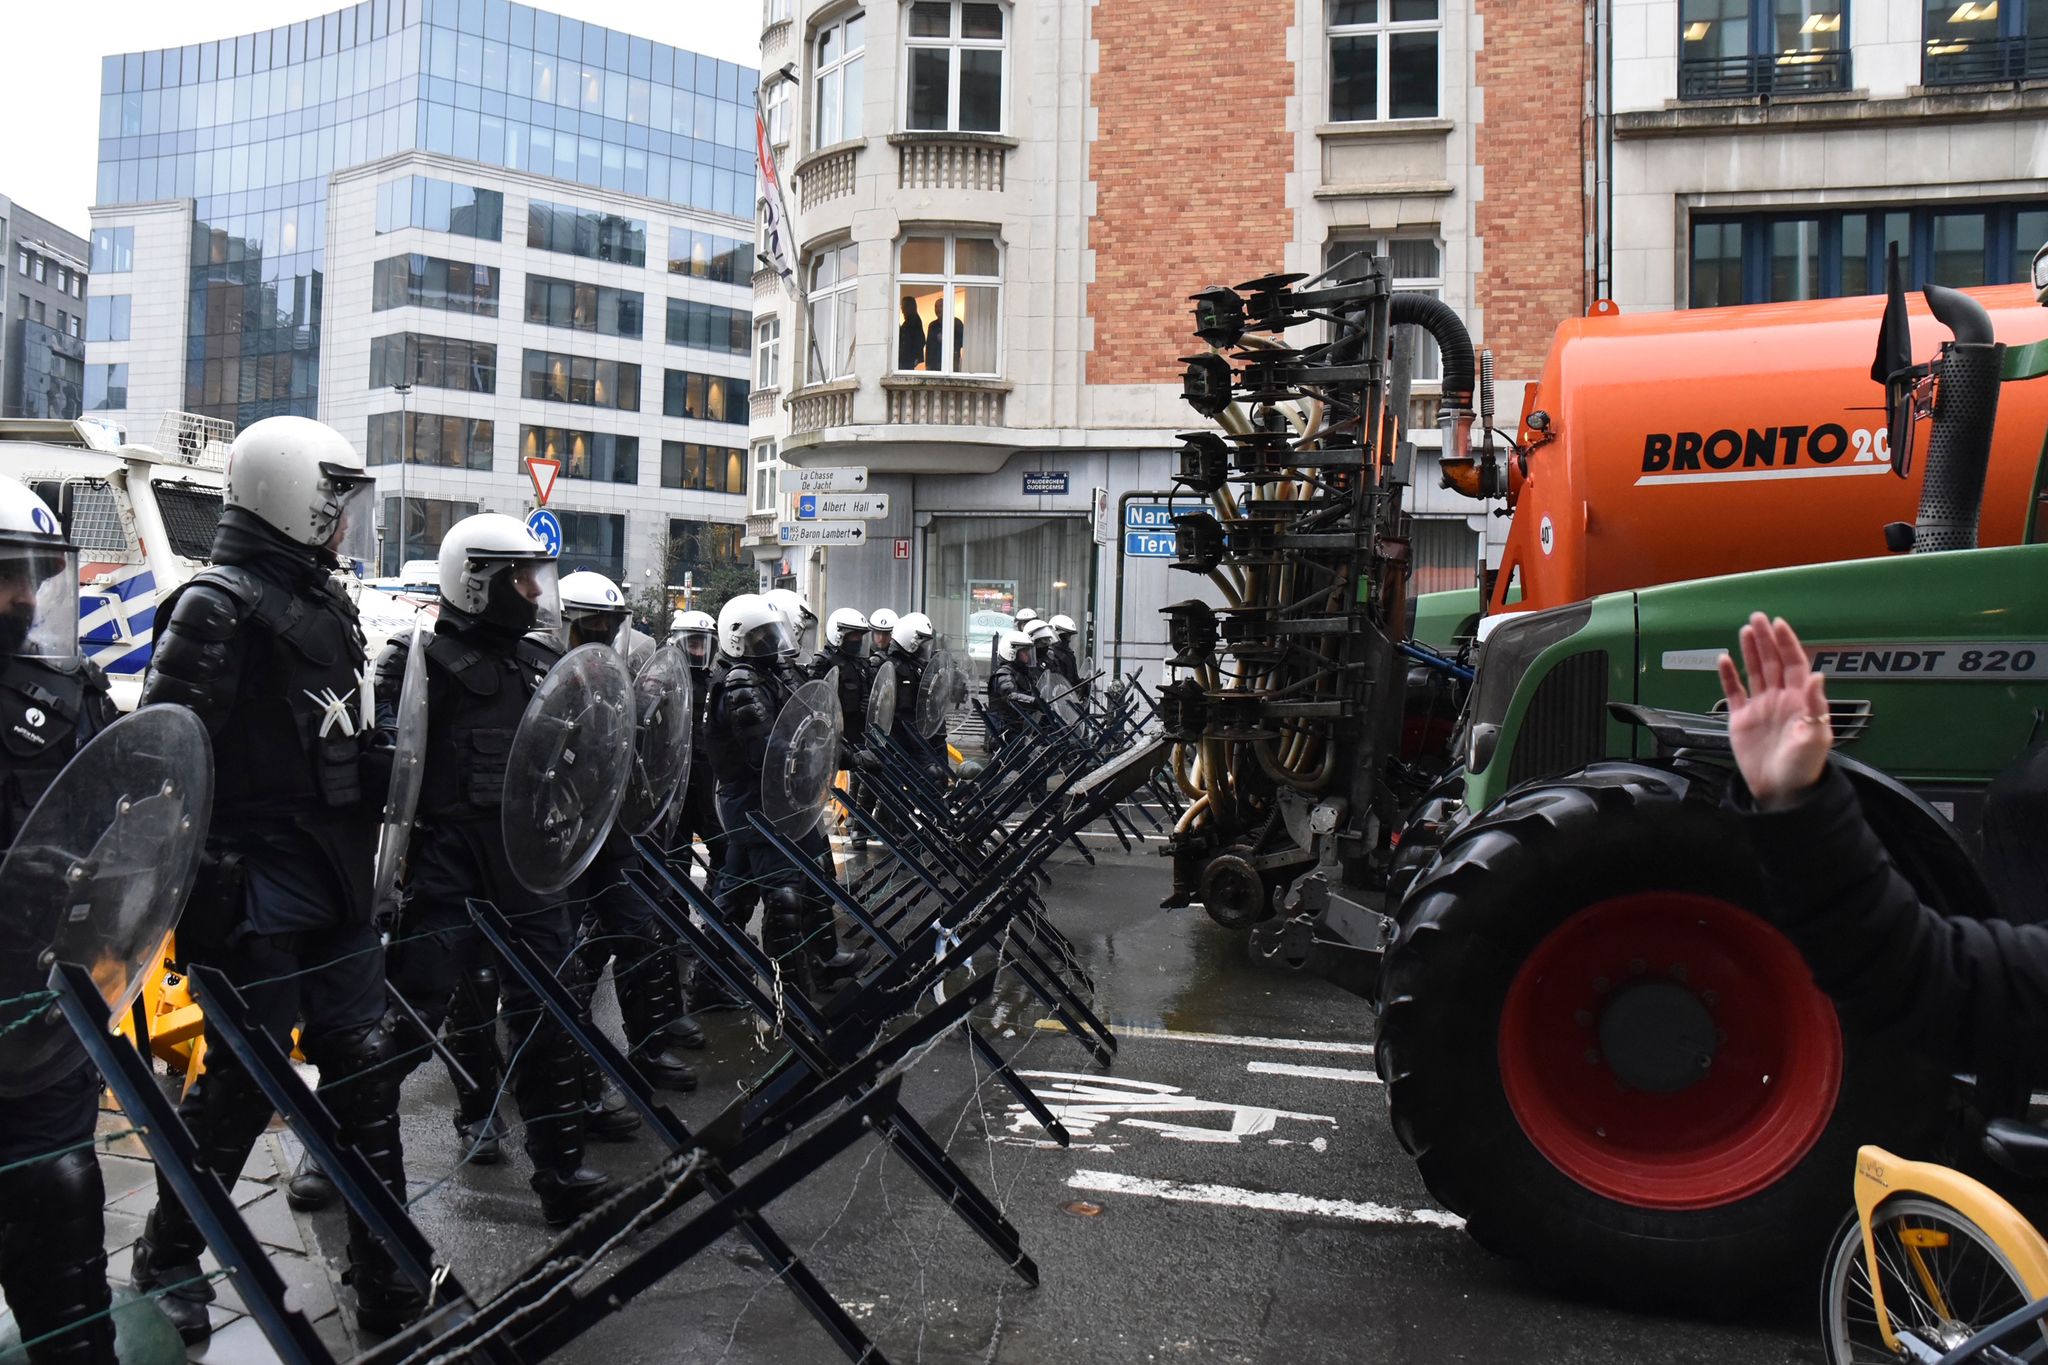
x,y
408,769
935,693
662,702
882,698
97,876
1062,698
802,757
571,760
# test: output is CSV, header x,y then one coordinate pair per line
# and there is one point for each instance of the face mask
x,y
506,607
15,624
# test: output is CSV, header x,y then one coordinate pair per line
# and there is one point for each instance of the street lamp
x,y
404,392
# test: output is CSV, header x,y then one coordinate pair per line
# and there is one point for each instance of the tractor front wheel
x,y
1606,1058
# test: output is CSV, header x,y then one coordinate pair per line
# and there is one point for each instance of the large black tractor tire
x,y
1577,1032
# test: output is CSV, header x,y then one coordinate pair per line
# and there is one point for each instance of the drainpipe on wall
x,y
1603,149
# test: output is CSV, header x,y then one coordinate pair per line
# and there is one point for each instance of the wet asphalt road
x,y
1145,1278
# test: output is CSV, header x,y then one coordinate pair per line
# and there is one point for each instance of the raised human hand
x,y
1779,724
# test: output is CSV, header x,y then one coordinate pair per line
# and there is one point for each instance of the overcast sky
x,y
49,104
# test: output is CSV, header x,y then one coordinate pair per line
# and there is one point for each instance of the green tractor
x,y
1595,1044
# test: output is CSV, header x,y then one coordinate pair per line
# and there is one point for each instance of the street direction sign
x,y
542,471
1150,544
851,478
543,523
1155,516
821,533
841,506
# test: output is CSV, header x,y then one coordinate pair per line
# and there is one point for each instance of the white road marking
x,y
1109,1182
1226,1039
1083,1103
1314,1073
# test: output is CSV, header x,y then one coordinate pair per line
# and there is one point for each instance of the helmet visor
x,y
536,580
769,640
697,648
349,510
38,598
587,627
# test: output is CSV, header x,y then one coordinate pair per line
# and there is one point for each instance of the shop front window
x,y
985,569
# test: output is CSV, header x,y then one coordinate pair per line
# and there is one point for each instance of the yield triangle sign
x,y
542,471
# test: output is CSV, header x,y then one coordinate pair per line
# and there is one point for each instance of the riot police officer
x,y
803,622
882,622
695,633
52,1268
1011,688
846,650
618,928
749,685
266,649
1060,658
909,650
1043,639
495,640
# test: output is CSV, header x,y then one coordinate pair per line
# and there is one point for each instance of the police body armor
x,y
856,675
477,698
744,698
46,714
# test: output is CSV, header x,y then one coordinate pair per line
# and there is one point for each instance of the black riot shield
x,y
97,876
802,758
570,763
662,703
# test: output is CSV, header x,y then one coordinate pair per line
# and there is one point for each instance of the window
x,y
1985,41
72,328
707,327
949,293
954,64
437,439
694,545
430,282
593,540
587,233
63,280
22,304
1737,48
21,262
1385,59
106,388
42,314
39,268
763,500
596,455
839,50
434,363
113,250
709,469
1830,253
427,520
832,276
440,206
1418,268
706,397
78,286
774,12
775,100
768,353
106,317
584,307
555,377
63,322
707,256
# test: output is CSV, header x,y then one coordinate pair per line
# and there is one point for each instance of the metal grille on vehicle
x,y
1565,727
191,515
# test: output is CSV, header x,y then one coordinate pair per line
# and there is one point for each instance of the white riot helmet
x,y
303,480
38,578
696,633
802,620
494,570
1040,632
913,632
883,620
1064,626
595,610
749,627
847,629
1014,647
1025,616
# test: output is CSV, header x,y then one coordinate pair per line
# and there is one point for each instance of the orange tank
x,y
1693,444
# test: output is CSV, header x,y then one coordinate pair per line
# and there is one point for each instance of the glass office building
x,y
250,128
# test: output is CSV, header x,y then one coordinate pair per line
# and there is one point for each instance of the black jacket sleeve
x,y
198,659
1968,993
748,714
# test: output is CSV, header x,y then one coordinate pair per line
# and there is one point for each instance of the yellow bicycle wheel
x,y
1944,1280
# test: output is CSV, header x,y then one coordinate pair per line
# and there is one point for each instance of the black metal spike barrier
x,y
176,1155
663,1122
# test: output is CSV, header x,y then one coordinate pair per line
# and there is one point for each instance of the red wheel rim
x,y
1668,1050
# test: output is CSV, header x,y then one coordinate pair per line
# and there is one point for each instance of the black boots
x,y
309,1190
51,1260
182,1289
549,1085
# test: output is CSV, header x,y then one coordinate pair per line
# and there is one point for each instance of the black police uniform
x,y
266,649
53,1270
1011,689
480,676
697,811
1061,663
